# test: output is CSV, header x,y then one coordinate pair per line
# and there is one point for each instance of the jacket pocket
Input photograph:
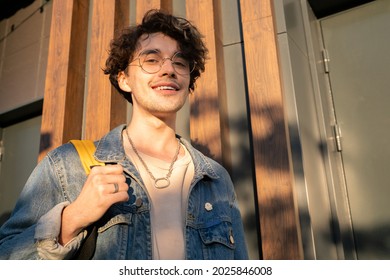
x,y
218,232
218,240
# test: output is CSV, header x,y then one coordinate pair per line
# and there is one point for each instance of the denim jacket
x,y
124,232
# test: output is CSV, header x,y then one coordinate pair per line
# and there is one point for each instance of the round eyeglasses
x,y
152,62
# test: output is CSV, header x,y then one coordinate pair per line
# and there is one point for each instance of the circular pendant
x,y
161,183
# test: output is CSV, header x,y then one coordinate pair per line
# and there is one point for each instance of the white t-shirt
x,y
168,204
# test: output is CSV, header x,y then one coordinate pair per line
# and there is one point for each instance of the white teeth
x,y
165,88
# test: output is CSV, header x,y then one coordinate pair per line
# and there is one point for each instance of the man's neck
x,y
154,138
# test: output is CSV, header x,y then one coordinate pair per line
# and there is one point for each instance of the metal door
x,y
19,154
358,45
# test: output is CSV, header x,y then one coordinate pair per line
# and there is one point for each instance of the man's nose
x,y
167,66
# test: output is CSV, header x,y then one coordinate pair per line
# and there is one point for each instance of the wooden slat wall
x,y
105,108
63,109
278,217
208,123
144,6
64,89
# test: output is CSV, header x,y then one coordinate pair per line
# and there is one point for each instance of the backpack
x,y
86,149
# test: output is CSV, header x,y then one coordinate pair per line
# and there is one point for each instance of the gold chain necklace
x,y
159,183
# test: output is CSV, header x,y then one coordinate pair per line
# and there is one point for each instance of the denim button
x,y
139,202
208,206
231,239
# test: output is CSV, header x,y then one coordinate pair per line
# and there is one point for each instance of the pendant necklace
x,y
162,182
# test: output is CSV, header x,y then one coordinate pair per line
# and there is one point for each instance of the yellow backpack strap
x,y
86,149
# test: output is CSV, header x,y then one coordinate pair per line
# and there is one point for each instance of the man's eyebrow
x,y
149,51
180,54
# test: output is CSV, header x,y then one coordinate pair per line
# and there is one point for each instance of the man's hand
x,y
105,186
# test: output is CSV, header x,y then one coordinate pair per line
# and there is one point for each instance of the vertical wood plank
x,y
143,6
208,121
64,87
105,108
167,5
276,205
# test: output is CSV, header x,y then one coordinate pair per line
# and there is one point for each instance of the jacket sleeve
x,y
47,232
32,230
241,252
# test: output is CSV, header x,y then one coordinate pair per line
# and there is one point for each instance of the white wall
x,y
23,56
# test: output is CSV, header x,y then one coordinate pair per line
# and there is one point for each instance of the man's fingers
x,y
118,197
107,169
118,187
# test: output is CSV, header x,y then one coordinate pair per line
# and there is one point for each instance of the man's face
x,y
165,91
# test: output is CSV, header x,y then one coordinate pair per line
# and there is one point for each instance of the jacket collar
x,y
109,149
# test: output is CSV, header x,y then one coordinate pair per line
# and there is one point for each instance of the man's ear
x,y
122,82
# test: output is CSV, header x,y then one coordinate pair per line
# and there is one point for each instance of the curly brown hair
x,y
123,47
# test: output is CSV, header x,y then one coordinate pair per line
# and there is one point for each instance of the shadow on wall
x,y
45,143
242,172
372,243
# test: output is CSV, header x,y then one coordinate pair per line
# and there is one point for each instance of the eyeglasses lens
x,y
153,62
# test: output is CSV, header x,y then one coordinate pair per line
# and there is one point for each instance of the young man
x,y
156,197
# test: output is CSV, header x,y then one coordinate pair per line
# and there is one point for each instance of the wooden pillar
x,y
279,225
64,88
208,122
105,108
143,6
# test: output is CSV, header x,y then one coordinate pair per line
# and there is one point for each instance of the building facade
x,y
292,103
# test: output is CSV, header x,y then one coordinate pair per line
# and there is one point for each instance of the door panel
x,y
358,45
20,153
